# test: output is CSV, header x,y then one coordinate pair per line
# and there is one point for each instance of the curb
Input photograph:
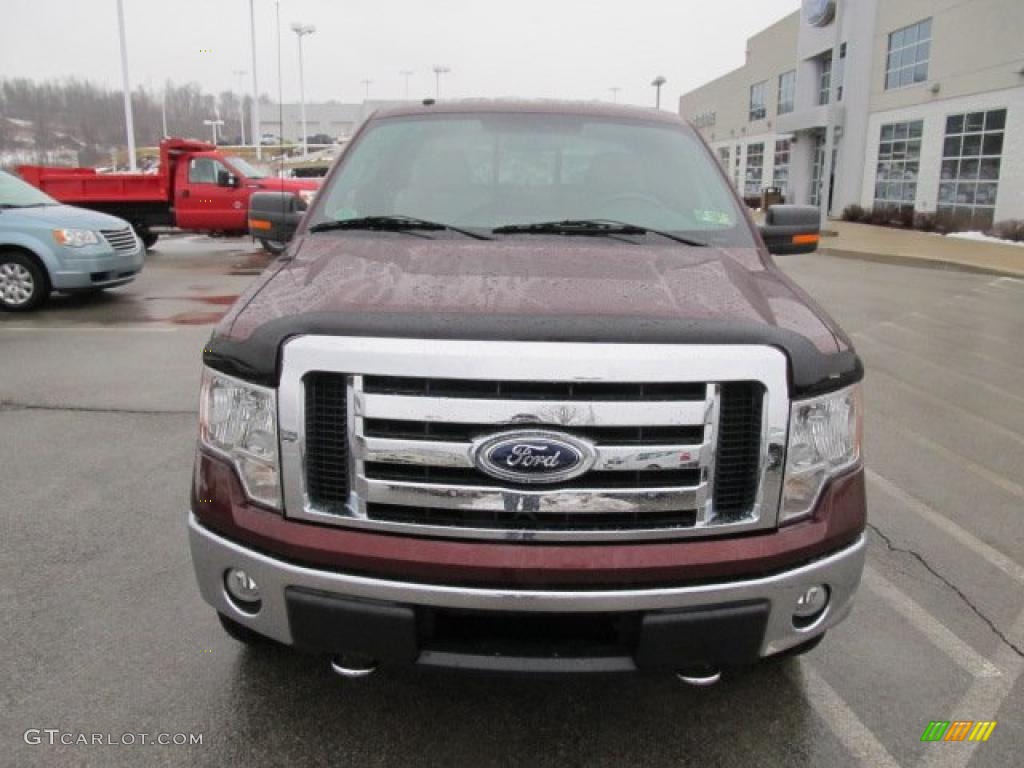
x,y
920,261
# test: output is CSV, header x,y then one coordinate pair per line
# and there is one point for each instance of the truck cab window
x,y
204,170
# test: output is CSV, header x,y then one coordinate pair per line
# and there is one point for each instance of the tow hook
x,y
352,666
700,677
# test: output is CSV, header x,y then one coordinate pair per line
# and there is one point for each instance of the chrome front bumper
x,y
212,555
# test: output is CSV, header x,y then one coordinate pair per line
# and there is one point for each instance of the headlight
x,y
307,195
75,238
824,440
238,421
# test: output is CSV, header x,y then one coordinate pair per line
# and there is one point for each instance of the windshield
x,y
497,170
247,169
15,193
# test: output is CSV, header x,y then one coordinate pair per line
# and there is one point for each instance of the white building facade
x,y
928,109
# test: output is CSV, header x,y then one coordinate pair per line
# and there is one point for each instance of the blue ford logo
x,y
533,456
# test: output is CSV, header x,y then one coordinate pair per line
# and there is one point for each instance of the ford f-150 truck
x,y
197,188
527,392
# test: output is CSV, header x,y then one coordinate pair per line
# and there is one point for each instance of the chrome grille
x,y
121,240
395,453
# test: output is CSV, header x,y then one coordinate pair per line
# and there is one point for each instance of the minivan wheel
x,y
275,247
147,236
242,633
23,283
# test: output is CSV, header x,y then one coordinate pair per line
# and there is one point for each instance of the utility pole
x,y
438,71
615,93
301,30
129,122
240,74
256,137
406,73
830,123
163,110
657,83
367,84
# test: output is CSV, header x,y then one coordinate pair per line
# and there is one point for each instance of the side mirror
x,y
791,229
226,179
275,215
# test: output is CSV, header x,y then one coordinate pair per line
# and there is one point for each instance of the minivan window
x,y
15,193
490,171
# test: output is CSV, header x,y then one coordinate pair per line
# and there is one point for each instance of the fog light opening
x,y
810,606
242,590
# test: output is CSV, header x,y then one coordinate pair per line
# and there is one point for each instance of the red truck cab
x,y
197,187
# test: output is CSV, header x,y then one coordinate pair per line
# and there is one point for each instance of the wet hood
x,y
61,216
525,288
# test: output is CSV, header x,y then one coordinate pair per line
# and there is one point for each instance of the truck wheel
x,y
147,236
275,247
24,284
242,633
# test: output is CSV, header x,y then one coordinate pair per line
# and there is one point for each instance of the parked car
x,y
197,188
527,392
47,246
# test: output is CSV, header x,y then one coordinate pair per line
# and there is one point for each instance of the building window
x,y
758,100
736,166
899,160
780,171
787,91
971,156
755,169
723,157
825,75
907,60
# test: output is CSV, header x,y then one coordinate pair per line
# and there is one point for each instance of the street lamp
x,y
241,73
213,124
129,122
367,84
657,83
256,138
438,71
406,73
615,92
301,30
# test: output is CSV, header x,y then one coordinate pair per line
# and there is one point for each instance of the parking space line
x,y
962,461
950,406
981,335
974,381
990,554
929,626
970,352
858,739
985,696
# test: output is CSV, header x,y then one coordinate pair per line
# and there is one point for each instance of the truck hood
x,y
529,289
61,216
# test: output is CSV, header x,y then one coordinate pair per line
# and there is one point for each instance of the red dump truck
x,y
197,188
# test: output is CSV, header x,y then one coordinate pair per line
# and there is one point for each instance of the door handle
x,y
184,193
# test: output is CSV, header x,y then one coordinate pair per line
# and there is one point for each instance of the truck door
x,y
211,197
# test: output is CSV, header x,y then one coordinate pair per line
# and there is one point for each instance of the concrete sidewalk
x,y
874,243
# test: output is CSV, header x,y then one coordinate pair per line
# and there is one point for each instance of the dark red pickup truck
x,y
197,187
527,392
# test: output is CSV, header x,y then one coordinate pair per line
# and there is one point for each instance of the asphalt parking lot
x,y
105,630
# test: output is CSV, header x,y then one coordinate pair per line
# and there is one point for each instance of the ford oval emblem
x,y
533,456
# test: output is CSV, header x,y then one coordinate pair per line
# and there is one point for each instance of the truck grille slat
x,y
534,390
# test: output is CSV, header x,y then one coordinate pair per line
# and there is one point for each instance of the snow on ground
x,y
983,238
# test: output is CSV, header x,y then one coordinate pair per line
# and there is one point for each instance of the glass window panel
x,y
902,129
951,146
986,194
899,150
965,193
890,61
995,120
972,144
906,76
925,30
955,124
916,129
947,192
921,73
913,150
948,169
910,35
922,52
989,168
887,132
969,169
992,144
896,39
975,121
910,171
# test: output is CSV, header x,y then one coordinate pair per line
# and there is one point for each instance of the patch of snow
x,y
981,237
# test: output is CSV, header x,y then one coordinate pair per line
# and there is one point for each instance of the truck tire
x,y
242,633
24,284
147,236
275,247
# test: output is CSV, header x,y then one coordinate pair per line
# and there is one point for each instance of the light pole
x,y
301,30
825,182
615,92
213,124
163,110
241,73
438,71
129,122
657,83
256,138
406,73
367,84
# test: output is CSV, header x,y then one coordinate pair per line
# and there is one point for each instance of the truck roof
x,y
532,106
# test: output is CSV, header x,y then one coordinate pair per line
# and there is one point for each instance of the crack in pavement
x,y
10,405
967,601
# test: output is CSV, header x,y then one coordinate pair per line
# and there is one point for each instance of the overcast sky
x,y
527,48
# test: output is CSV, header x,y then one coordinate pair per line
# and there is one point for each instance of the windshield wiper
x,y
392,223
592,227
